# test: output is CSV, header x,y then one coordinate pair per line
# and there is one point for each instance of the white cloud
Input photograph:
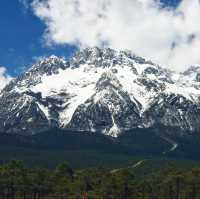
x,y
4,78
169,37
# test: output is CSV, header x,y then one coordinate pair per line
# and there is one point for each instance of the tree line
x,y
19,182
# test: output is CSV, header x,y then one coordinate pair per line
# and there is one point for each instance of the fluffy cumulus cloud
x,y
170,37
4,79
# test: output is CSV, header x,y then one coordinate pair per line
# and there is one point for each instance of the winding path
x,y
172,142
137,164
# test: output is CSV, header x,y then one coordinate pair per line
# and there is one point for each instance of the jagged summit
x,y
100,90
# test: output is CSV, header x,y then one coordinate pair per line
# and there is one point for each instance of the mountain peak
x,y
107,57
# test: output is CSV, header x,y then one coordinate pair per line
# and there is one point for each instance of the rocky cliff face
x,y
110,110
103,91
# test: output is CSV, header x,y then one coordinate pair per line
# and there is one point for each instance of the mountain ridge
x,y
100,90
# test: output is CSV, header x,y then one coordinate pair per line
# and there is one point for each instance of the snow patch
x,y
114,131
44,109
80,97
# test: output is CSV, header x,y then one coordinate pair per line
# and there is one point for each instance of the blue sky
x,y
21,37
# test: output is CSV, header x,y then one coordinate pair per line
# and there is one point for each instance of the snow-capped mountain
x,y
100,90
